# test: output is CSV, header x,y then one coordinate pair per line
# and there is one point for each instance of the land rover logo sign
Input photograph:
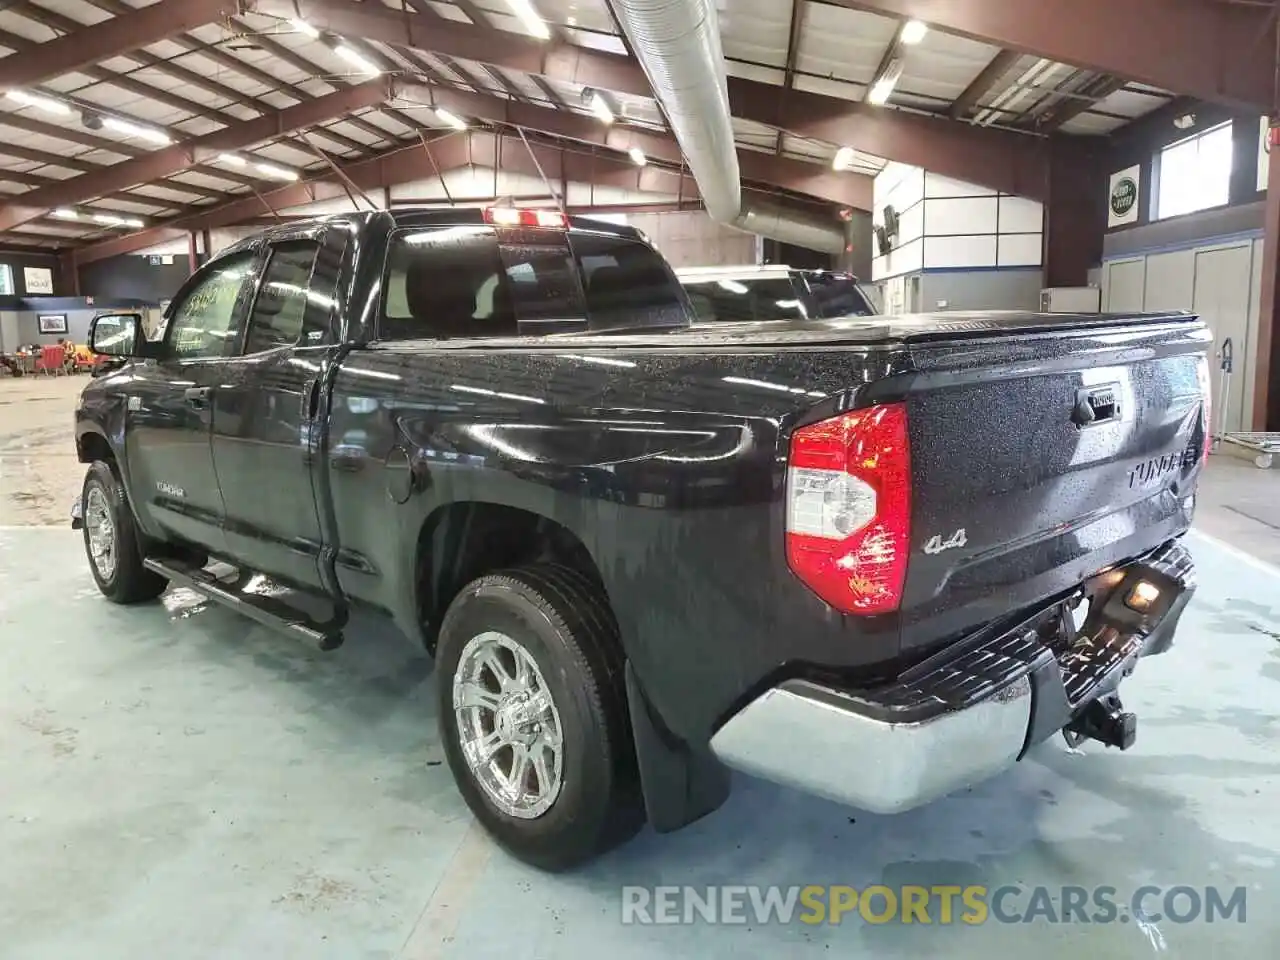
x,y
1123,196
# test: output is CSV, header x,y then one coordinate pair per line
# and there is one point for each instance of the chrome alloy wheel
x,y
101,530
508,725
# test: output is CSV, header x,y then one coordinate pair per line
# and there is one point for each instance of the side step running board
x,y
266,610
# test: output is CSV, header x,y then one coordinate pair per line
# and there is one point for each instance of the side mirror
x,y
116,335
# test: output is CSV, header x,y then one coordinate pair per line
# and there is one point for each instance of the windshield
x,y
776,296
838,295
728,300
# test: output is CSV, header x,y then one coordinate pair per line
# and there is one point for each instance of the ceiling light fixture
x,y
232,160
598,104
913,31
843,159
357,59
135,130
276,173
47,104
880,92
637,156
452,119
306,29
883,87
111,220
532,20
66,213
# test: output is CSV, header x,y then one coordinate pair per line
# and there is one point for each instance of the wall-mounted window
x,y
6,280
1194,174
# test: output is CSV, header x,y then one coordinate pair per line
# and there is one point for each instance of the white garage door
x,y
1222,300
1124,286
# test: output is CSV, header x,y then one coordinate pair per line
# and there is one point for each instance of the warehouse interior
x,y
178,779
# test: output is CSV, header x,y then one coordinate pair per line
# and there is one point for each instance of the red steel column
x,y
1075,216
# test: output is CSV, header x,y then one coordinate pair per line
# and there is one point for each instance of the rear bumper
x,y
966,713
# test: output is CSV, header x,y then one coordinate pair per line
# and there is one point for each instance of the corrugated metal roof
x,y
195,83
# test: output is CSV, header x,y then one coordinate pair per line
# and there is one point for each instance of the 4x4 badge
x,y
936,544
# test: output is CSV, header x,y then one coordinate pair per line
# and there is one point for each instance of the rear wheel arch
x,y
464,540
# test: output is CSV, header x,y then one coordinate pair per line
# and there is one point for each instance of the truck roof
x,y
431,216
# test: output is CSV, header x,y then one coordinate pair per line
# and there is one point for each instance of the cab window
x,y
478,281
204,324
283,298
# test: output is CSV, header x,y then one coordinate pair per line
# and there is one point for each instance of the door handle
x,y
197,397
1096,405
309,400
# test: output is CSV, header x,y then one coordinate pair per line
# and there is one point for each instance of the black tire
x,y
564,622
129,581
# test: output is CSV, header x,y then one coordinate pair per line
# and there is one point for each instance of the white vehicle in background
x,y
744,293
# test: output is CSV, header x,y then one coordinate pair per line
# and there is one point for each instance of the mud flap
x,y
680,785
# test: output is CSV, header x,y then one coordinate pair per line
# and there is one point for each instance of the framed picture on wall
x,y
52,323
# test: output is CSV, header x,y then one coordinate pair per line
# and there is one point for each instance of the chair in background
x,y
52,360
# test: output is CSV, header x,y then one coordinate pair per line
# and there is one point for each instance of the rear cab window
x,y
478,280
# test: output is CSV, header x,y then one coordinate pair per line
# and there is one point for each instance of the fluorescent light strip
x,y
47,104
883,87
274,172
66,213
452,119
306,29
357,59
637,156
879,94
600,107
843,159
135,130
113,221
232,160
532,20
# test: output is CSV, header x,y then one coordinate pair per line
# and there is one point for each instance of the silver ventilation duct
x,y
678,44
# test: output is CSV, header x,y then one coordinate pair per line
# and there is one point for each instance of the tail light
x,y
1206,407
513,217
849,508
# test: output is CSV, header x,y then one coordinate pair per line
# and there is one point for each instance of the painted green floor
x,y
176,782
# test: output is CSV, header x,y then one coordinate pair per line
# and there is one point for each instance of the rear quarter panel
x,y
667,466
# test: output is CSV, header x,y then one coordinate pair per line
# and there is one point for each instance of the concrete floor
x,y
177,782
38,470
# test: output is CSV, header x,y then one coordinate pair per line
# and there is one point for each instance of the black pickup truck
x,y
875,558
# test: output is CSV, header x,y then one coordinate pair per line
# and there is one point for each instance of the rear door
x,y
1041,459
169,407
265,443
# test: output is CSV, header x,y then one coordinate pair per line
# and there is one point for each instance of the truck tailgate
x,y
1041,456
